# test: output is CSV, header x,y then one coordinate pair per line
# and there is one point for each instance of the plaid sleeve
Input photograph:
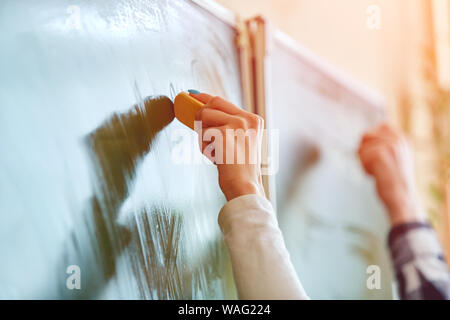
x,y
420,268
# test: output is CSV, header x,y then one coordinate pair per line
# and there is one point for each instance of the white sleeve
x,y
261,264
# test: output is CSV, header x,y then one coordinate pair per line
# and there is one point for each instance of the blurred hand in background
x,y
386,155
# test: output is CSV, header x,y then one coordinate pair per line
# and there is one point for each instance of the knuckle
x,y
215,100
240,123
254,120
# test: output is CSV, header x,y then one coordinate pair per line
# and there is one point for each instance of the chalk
x,y
185,108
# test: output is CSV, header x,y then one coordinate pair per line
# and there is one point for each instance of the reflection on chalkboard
x,y
116,147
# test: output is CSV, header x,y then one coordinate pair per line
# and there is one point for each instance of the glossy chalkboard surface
x,y
95,177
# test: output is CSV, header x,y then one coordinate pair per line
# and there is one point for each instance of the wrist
x,y
406,217
405,209
242,188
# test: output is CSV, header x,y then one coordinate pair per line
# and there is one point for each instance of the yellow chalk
x,y
185,108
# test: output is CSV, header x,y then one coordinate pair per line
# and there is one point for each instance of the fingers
x,y
217,103
223,105
202,97
383,131
370,158
377,147
373,141
213,117
380,135
219,112
217,117
369,150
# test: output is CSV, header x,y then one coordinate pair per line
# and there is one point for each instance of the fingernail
x,y
193,91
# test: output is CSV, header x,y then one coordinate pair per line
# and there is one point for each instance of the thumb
x,y
369,157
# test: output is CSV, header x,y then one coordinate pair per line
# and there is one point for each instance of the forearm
x,y
261,264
